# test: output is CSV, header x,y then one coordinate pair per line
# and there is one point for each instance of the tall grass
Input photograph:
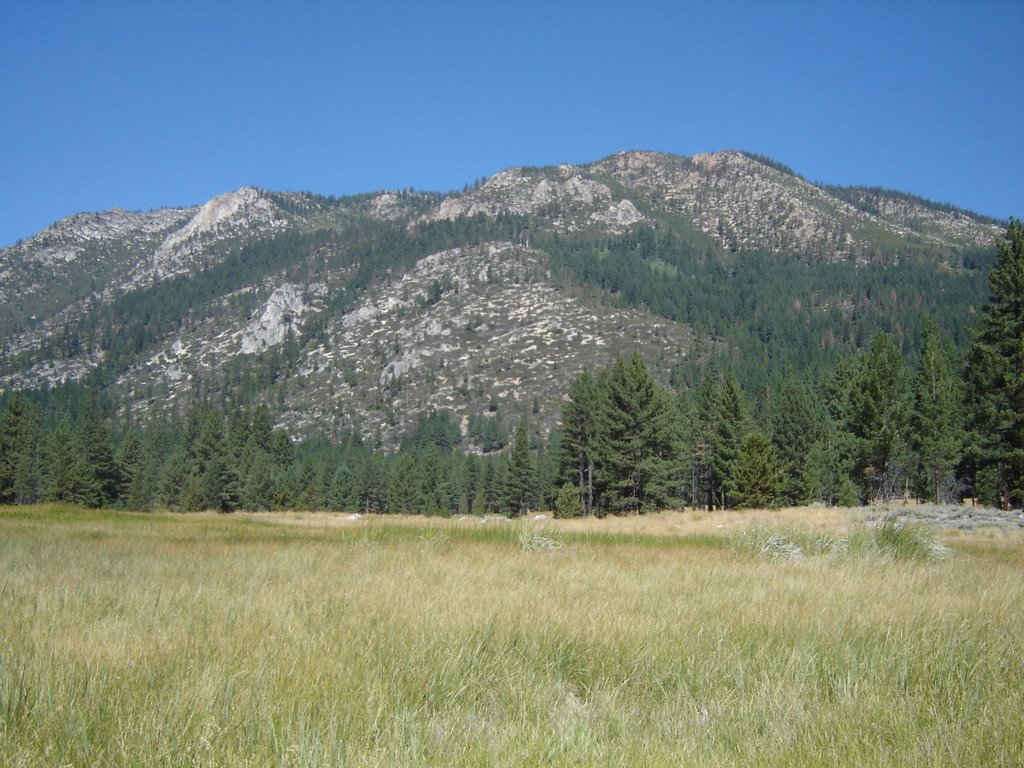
x,y
170,641
890,538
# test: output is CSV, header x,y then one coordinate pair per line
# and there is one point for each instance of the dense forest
x,y
941,422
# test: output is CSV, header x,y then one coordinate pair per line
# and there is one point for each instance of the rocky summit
x,y
357,313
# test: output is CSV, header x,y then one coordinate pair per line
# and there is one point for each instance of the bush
x,y
567,502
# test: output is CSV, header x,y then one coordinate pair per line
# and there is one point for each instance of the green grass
x,y
173,640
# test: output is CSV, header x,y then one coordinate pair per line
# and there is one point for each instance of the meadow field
x,y
793,638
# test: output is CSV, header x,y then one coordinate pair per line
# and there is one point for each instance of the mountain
x,y
356,313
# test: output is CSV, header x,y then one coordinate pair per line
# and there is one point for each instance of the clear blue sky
x,y
142,105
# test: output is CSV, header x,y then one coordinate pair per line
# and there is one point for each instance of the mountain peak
x,y
354,313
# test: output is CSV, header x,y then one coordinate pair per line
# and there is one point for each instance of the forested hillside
x,y
718,300
937,425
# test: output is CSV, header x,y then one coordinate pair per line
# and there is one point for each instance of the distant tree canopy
x,y
766,314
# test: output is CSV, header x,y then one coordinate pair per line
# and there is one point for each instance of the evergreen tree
x,y
60,480
567,502
698,418
635,439
20,437
472,481
495,480
730,423
547,470
373,494
96,477
996,373
825,476
173,476
342,493
869,397
214,482
756,479
129,460
405,487
259,486
221,485
795,419
160,440
281,449
522,475
579,439
262,428
936,419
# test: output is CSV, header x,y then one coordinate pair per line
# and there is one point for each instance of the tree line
x,y
947,427
237,460
873,428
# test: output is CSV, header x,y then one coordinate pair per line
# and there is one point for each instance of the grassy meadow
x,y
314,640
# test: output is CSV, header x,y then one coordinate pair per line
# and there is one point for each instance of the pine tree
x,y
936,419
825,476
547,470
635,439
404,489
216,484
96,477
698,417
60,480
262,428
259,486
373,491
129,460
579,437
522,475
996,372
869,398
495,485
730,422
20,464
342,490
795,418
756,479
173,476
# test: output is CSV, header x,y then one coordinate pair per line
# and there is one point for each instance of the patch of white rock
x,y
283,310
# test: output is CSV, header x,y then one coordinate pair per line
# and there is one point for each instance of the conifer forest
x,y
943,422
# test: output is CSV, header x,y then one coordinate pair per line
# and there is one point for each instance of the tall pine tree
x,y
635,439
96,476
869,399
936,418
795,417
730,423
522,475
996,373
579,439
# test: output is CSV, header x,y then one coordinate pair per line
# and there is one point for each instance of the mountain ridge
x,y
360,311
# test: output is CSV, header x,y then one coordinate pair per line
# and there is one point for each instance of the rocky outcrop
x,y
280,316
568,199
247,212
465,329
744,203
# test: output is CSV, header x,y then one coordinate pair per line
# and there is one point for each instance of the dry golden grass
x,y
666,523
172,640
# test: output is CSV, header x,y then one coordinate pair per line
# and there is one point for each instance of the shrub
x,y
567,502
